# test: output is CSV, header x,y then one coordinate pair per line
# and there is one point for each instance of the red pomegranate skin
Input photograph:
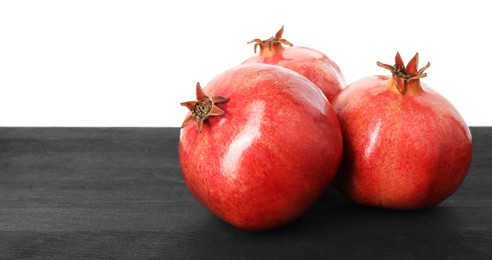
x,y
310,63
271,155
401,151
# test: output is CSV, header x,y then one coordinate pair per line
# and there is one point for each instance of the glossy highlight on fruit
x,y
312,64
405,145
269,155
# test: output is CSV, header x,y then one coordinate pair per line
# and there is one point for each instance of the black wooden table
x,y
72,193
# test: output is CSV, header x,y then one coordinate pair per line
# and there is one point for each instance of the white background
x,y
130,63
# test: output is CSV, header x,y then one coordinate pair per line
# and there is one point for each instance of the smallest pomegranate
x,y
310,63
406,146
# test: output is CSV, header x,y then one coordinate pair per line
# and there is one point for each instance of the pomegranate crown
x,y
203,108
402,74
270,42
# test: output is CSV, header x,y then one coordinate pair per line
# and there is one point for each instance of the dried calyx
x,y
269,43
203,108
403,75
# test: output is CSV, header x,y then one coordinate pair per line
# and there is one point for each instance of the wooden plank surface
x,y
99,193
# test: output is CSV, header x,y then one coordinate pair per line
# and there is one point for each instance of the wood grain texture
x,y
102,193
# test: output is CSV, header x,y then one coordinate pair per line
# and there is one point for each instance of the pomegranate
x,y
405,145
265,146
312,64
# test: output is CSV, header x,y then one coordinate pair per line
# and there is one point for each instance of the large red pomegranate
x,y
265,146
311,63
405,145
